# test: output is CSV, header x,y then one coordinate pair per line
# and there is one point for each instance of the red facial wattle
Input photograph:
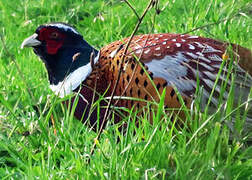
x,y
53,43
53,46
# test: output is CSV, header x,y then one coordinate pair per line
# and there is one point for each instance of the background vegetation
x,y
28,147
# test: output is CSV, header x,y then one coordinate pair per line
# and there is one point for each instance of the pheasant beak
x,y
31,41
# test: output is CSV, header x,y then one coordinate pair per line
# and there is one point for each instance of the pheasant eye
x,y
54,35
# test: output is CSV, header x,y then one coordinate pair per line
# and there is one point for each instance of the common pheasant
x,y
153,62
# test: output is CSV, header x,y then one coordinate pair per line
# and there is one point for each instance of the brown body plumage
x,y
152,63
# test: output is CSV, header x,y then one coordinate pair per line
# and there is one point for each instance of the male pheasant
x,y
153,62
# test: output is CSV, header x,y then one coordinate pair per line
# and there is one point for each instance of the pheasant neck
x,y
79,71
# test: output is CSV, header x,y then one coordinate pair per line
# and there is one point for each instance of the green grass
x,y
157,151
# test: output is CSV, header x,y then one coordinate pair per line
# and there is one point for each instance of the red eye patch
x,y
54,39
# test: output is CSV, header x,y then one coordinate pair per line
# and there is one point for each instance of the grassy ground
x,y
28,147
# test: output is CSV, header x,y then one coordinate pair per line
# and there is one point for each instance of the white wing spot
x,y
178,44
200,45
174,40
183,40
161,35
157,38
192,55
200,54
191,47
168,47
159,54
138,51
147,51
193,37
158,48
164,43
